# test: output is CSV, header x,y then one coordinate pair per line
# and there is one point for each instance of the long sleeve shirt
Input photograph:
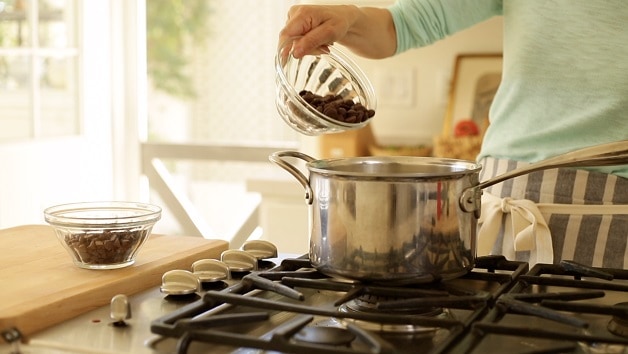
x,y
565,70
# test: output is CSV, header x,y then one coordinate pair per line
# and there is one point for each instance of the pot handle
x,y
277,158
609,154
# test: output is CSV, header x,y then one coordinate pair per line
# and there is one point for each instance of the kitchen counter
x,y
94,332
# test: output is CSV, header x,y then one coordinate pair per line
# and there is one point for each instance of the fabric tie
x,y
525,228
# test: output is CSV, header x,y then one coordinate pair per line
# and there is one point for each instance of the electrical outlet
x,y
443,85
396,86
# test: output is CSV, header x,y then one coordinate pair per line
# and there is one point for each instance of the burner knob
x,y
12,336
120,309
179,282
618,325
239,261
211,270
260,249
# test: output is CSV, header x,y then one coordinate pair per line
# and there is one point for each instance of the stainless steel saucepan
x,y
405,219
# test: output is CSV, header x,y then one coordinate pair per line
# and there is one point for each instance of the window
x,y
38,69
211,70
211,82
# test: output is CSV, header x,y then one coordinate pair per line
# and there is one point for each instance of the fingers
x,y
311,44
317,26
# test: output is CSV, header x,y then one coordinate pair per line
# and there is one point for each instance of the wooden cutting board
x,y
40,286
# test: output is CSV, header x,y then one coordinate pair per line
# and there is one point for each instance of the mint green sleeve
x,y
422,22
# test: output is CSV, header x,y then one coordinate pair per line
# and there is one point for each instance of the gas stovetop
x,y
286,306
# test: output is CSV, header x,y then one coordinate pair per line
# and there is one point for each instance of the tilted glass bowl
x,y
103,235
333,73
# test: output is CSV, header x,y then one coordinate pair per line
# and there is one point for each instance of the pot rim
x,y
404,167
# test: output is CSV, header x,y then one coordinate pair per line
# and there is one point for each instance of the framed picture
x,y
474,83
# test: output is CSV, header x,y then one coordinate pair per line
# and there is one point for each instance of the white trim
x,y
41,52
128,95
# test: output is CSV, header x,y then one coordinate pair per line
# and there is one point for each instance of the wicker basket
x,y
464,147
376,150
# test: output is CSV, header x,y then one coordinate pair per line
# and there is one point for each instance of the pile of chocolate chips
x,y
335,107
107,247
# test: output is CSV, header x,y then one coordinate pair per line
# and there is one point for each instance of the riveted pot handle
x,y
608,154
277,158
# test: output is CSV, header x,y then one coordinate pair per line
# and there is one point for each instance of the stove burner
x,y
335,336
618,325
368,303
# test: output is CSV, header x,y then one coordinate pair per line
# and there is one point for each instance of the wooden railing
x,y
161,181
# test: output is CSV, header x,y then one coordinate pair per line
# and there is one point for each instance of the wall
x,y
412,89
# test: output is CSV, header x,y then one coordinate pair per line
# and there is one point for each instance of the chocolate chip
x,y
105,247
337,108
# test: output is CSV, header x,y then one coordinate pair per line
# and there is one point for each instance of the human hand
x,y
367,31
317,27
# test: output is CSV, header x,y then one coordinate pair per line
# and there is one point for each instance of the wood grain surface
x,y
41,286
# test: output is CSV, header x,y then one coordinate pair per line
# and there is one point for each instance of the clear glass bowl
x,y
103,235
334,73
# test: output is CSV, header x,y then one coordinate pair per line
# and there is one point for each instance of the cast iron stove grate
x,y
564,308
212,319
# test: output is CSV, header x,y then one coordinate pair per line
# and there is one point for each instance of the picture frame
x,y
474,82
